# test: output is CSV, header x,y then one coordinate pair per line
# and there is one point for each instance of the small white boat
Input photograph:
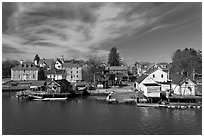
x,y
50,99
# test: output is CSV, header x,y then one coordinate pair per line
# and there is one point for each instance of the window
x,y
33,76
162,76
71,71
24,70
77,72
77,76
153,76
77,67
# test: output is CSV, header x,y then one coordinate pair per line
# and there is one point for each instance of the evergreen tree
x,y
114,57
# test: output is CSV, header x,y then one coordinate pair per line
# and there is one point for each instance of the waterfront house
x,y
73,71
184,87
148,86
38,85
55,74
25,71
152,82
59,86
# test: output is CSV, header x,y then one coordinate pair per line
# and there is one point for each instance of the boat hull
x,y
49,99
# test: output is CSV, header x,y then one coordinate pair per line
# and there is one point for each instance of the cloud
x,y
75,29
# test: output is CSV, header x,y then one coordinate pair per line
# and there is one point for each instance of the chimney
x,y
21,61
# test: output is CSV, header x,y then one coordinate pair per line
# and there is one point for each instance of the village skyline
x,y
149,32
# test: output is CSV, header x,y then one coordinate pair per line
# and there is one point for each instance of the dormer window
x,y
162,75
26,65
153,76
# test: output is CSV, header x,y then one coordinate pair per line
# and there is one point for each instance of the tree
x,y
37,58
41,74
114,57
187,62
6,67
93,63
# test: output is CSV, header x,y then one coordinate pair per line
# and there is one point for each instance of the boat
x,y
50,99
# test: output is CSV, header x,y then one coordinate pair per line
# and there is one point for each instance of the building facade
x,y
73,71
24,71
120,72
55,74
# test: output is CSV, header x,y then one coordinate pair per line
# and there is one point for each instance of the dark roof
x,y
59,60
38,83
141,78
71,65
80,62
48,62
151,84
149,71
55,71
63,82
26,66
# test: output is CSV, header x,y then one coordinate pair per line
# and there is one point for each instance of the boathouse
x,y
185,87
59,86
38,85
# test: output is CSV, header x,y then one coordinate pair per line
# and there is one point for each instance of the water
x,y
87,116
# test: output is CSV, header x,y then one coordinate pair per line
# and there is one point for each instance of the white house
x,y
58,64
152,82
186,87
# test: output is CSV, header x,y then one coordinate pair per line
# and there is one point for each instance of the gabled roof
x,y
48,62
141,78
59,61
80,62
187,79
26,66
63,82
71,65
150,71
163,66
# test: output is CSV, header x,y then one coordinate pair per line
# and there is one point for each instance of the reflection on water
x,y
89,116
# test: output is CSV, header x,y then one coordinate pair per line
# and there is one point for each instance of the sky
x,y
140,31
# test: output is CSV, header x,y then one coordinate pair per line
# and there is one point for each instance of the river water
x,y
82,116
